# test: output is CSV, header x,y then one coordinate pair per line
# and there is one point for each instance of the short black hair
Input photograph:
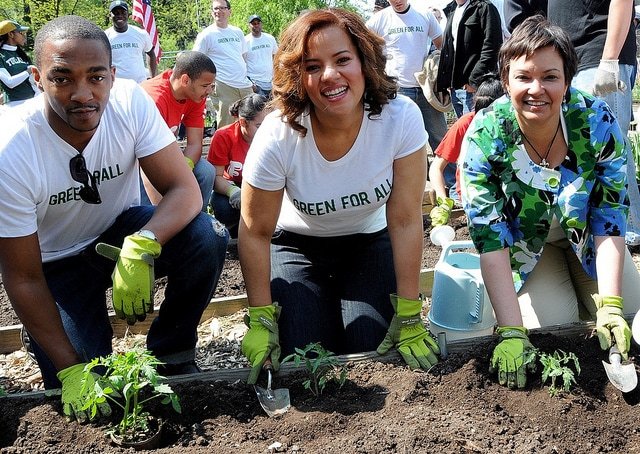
x,y
69,27
489,90
193,63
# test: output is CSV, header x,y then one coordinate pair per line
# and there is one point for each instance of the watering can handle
x,y
455,245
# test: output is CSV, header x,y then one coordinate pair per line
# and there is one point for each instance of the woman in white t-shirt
x,y
331,220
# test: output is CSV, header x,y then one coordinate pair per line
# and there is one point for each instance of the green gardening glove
x,y
262,341
408,334
75,385
512,356
133,276
610,321
440,213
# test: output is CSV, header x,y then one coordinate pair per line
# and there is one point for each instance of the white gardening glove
x,y
234,196
607,78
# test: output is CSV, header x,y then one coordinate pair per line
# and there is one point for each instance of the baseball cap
x,y
7,26
254,17
118,4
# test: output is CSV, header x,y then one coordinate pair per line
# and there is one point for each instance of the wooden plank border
x,y
218,307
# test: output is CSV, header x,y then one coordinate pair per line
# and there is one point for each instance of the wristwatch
x,y
147,234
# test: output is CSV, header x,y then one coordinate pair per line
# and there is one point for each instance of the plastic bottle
x,y
441,235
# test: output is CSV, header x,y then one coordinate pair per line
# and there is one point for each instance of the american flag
x,y
143,14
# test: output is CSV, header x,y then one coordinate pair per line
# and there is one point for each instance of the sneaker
x,y
189,367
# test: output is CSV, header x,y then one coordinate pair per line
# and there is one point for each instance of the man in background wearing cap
x,y
225,45
129,44
261,47
15,64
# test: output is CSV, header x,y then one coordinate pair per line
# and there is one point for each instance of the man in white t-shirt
x,y
408,34
225,45
129,45
261,47
69,193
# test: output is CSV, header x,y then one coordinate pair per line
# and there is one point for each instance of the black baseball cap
x,y
118,4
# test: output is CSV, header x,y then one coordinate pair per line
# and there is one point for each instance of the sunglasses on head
x,y
89,190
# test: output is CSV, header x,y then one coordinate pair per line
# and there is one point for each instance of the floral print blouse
x,y
510,201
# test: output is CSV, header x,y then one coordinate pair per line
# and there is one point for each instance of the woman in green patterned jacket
x,y
544,188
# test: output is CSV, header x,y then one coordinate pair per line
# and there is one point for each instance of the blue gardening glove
x,y
75,385
512,356
607,78
408,334
611,327
234,196
262,341
440,214
133,276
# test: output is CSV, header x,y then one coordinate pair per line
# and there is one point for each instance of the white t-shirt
x,y
331,198
259,57
408,39
37,192
129,50
225,47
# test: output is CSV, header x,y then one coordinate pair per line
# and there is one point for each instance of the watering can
x,y
460,306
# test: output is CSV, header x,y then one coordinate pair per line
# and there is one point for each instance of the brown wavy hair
x,y
289,94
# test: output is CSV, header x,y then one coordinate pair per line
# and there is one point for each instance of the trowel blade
x,y
622,376
273,402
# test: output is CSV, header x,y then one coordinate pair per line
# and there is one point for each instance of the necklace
x,y
543,159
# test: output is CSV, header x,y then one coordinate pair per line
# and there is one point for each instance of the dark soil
x,y
456,407
383,408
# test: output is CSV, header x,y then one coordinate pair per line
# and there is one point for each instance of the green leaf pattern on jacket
x,y
510,201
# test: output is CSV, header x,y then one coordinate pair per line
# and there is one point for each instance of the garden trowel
x,y
622,376
273,401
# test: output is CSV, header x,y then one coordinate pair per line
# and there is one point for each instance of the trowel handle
x,y
615,357
267,364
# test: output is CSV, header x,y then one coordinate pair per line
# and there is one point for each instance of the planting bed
x,y
456,407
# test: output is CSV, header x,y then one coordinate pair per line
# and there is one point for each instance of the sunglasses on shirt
x,y
89,190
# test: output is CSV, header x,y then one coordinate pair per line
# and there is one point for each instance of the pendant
x,y
544,163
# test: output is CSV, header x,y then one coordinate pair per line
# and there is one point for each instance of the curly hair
x,y
289,94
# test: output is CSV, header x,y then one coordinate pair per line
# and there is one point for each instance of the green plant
x,y
130,381
2,392
322,366
556,366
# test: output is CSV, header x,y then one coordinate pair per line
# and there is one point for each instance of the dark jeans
x,y
332,290
192,262
434,122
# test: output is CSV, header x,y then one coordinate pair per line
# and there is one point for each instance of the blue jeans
x,y
434,121
225,213
620,104
332,290
204,172
463,101
192,262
